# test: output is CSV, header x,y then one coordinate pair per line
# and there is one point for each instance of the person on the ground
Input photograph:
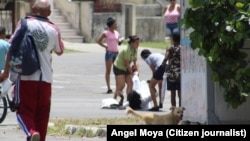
x,y
154,61
125,64
4,47
33,92
173,69
111,36
171,15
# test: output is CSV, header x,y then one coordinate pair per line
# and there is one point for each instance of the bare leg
x,y
107,74
173,95
129,82
120,84
152,84
179,96
159,88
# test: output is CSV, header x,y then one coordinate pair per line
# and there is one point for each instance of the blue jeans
x,y
172,28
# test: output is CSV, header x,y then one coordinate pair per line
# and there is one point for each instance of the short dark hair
x,y
176,37
110,21
2,30
145,53
132,38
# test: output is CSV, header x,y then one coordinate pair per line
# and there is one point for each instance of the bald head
x,y
41,8
42,4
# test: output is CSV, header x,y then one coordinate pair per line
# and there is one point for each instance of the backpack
x,y
173,70
23,53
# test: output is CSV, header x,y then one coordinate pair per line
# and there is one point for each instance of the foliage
x,y
219,30
156,45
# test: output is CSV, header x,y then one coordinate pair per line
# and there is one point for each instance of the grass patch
x,y
70,51
59,127
156,45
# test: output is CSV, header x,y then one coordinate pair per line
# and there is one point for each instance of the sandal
x,y
154,109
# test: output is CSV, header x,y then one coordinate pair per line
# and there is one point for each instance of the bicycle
x,y
6,101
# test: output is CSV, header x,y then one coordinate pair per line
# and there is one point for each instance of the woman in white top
x,y
154,61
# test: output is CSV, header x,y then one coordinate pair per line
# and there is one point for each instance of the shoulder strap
x,y
19,34
25,28
23,25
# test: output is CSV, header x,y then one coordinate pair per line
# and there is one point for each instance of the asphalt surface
x,y
78,89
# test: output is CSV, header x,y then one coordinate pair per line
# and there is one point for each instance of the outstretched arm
x,y
167,56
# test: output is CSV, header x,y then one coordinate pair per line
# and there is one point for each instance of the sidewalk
x,y
14,133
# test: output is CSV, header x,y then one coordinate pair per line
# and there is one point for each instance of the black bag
x,y
24,58
173,70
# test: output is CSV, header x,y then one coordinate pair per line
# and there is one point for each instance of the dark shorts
x,y
119,71
173,85
158,75
110,56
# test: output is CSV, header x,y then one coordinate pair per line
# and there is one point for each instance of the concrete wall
x,y
86,14
228,115
134,19
23,8
148,10
70,10
150,28
131,22
99,23
138,1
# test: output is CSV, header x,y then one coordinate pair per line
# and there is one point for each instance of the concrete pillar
x,y
86,16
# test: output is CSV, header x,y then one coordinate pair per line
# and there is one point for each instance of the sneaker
x,y
154,109
109,91
35,137
160,106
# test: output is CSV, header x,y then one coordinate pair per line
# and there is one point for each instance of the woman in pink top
x,y
111,36
171,17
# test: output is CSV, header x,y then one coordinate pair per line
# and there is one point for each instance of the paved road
x,y
78,88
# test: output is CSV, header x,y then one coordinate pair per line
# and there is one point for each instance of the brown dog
x,y
172,118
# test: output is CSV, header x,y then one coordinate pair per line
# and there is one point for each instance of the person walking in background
x,y
173,70
4,47
111,36
154,61
125,64
171,14
33,92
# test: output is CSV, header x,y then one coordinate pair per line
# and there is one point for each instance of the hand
x,y
120,41
1,78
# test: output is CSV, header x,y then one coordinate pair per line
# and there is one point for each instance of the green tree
x,y
219,30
